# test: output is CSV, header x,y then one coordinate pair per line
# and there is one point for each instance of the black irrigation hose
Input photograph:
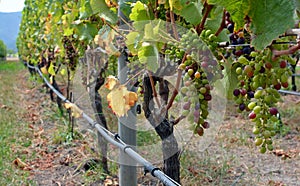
x,y
115,139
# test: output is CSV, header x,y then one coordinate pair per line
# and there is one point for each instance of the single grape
x,y
258,94
184,90
268,65
203,90
243,92
247,50
273,111
263,150
257,109
252,115
270,147
199,130
283,64
255,130
207,97
258,141
267,134
191,72
239,70
277,86
230,27
241,40
262,70
251,94
242,106
236,92
285,84
187,106
197,75
205,125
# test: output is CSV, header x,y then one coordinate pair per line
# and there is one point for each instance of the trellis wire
x,y
114,139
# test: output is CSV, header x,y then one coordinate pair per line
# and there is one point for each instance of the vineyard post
x,y
127,170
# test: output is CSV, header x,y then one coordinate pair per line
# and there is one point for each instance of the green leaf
x,y
148,55
214,22
238,9
192,13
86,31
149,35
85,9
139,12
99,6
175,4
133,42
68,31
269,20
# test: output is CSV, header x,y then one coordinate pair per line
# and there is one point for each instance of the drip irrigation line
x,y
285,91
115,139
289,92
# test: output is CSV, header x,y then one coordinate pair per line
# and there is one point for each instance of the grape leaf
x,y
214,22
133,42
120,100
51,69
148,55
87,31
269,20
85,10
139,12
175,4
192,13
99,6
140,15
238,9
105,39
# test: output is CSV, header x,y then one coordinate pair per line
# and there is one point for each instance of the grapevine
x,y
184,39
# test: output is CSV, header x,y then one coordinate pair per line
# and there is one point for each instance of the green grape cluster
x,y
196,95
260,78
200,69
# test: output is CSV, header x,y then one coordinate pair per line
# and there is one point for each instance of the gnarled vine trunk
x,y
93,79
163,127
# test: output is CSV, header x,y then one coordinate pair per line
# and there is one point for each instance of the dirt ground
x,y
226,157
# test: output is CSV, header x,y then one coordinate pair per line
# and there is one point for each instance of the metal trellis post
x,y
126,125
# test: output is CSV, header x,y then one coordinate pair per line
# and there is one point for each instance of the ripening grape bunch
x,y
260,77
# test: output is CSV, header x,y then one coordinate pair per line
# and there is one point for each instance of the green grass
x,y
11,66
14,132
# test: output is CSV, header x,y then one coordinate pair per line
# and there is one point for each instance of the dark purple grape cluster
x,y
239,39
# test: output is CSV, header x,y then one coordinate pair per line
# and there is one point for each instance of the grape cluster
x,y
260,78
199,69
240,38
71,54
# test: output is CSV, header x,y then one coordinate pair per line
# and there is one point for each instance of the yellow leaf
x,y
76,112
63,72
119,99
51,69
44,70
111,81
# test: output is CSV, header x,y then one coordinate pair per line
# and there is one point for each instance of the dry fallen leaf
x,y
20,164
